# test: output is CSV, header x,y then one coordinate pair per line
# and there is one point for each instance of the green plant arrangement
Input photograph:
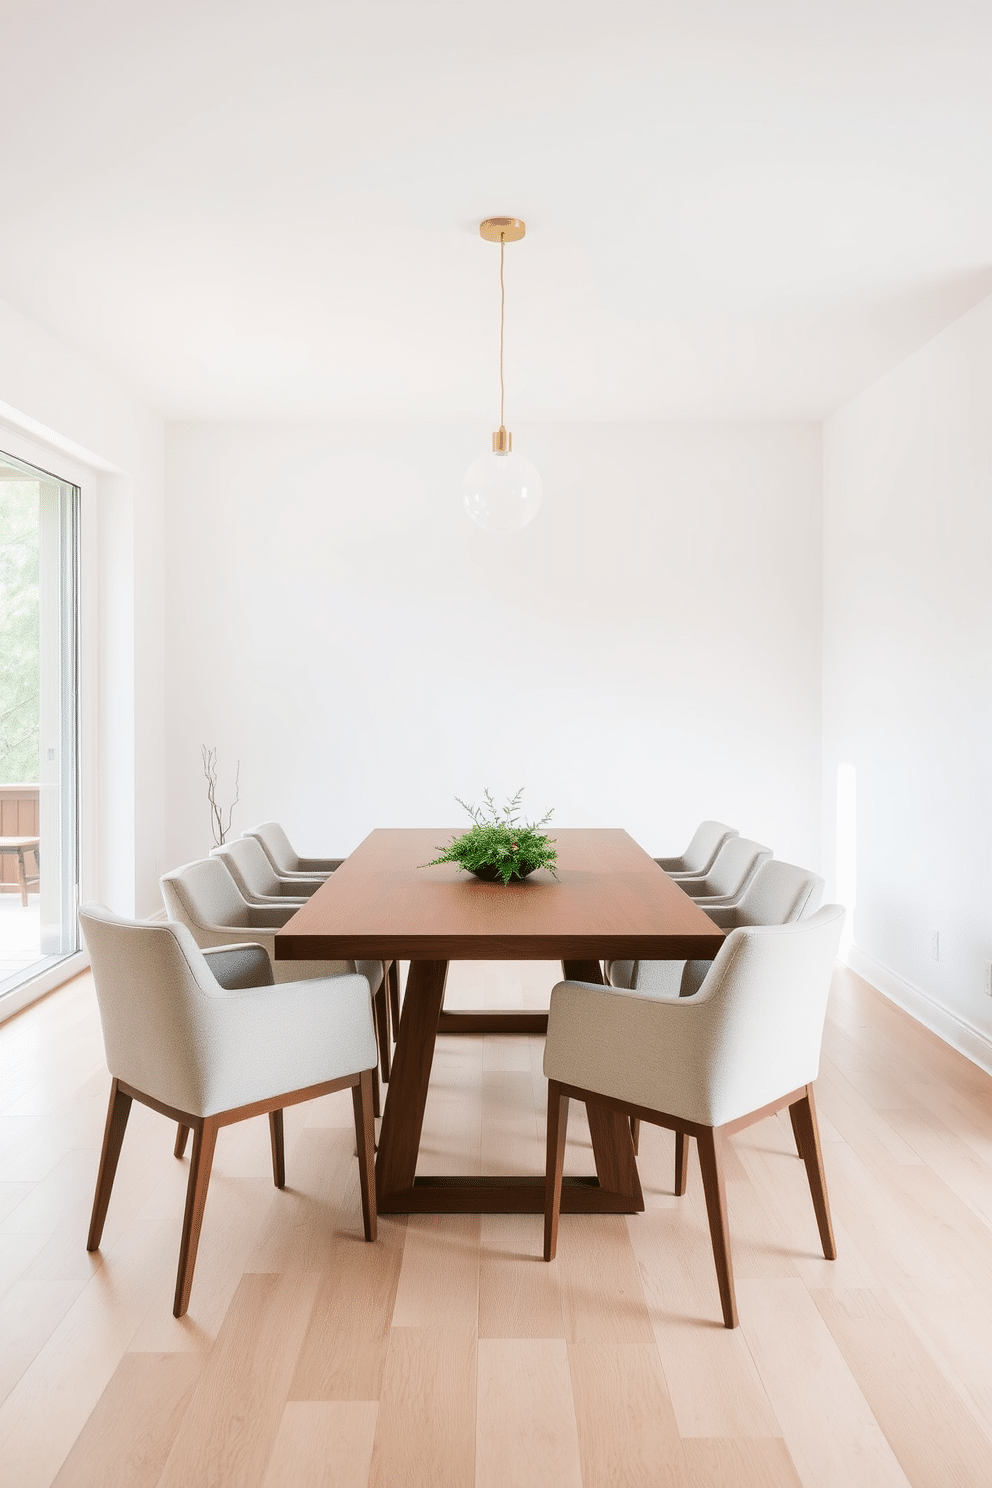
x,y
500,847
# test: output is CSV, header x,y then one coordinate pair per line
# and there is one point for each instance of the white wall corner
x,y
970,1041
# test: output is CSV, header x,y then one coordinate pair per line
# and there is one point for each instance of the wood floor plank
x,y
801,1367
602,1296
526,1434
29,1314
344,1351
425,1433
319,1203
714,1387
628,1435
127,1439
323,1444
439,1276
230,1427
748,1463
519,1296
931,1432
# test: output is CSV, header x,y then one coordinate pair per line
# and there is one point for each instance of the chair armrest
x,y
274,1040
319,865
270,916
299,886
237,967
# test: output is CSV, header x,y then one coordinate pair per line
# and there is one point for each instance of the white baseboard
x,y
970,1041
39,986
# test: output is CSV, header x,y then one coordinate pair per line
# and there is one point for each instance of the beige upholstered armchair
x,y
283,856
700,855
208,1039
257,880
745,1045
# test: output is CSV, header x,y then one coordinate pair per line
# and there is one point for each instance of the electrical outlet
x,y
935,945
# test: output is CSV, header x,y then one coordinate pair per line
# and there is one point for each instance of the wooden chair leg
x,y
796,1129
393,977
182,1137
635,1133
681,1162
710,1142
804,1123
381,1010
361,1095
277,1142
557,1129
118,1110
376,1103
204,1142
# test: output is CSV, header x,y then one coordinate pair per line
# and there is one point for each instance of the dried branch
x,y
218,828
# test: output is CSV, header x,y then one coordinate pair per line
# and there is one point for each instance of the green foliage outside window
x,y
19,671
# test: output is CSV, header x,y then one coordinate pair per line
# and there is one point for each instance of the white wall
x,y
908,671
62,413
646,654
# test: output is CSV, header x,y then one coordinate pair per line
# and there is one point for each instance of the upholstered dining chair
x,y
287,863
208,1039
257,880
736,864
204,897
700,855
745,1045
283,856
778,894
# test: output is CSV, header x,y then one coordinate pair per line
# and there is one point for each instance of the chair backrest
x,y
761,1012
151,984
706,842
249,866
276,846
736,861
778,894
203,894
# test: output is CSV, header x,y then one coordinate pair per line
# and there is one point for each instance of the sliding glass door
x,y
39,809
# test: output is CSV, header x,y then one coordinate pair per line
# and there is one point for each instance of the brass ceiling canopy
x,y
502,229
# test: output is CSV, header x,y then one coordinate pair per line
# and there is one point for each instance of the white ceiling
x,y
269,208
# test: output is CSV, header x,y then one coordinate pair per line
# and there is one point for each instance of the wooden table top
x,y
611,900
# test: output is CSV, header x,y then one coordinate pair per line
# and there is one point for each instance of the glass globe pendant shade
x,y
502,491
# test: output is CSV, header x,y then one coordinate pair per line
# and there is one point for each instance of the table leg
x,y
403,1116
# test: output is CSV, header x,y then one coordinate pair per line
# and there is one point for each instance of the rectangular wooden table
x,y
610,901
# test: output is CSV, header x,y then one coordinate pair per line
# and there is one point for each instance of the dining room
x,y
756,392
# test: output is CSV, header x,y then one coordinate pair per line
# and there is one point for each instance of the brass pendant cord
x,y
502,315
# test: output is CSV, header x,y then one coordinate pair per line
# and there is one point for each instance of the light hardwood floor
x,y
449,1353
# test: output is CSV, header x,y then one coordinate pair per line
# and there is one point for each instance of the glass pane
x,y
38,796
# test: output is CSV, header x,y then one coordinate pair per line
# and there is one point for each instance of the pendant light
x,y
502,489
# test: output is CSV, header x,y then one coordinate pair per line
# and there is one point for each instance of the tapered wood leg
x,y
204,1141
365,1138
635,1133
182,1137
393,978
710,1142
118,1110
681,1162
403,1118
804,1122
278,1144
796,1129
554,1167
376,1103
380,1007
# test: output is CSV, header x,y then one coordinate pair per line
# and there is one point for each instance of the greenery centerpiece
x,y
499,846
